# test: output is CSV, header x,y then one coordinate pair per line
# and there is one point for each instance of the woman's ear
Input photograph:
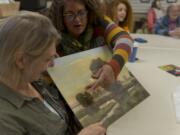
x,y
20,60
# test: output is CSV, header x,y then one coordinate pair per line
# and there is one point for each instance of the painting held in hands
x,y
72,74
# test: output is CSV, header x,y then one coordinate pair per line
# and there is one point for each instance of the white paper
x,y
176,98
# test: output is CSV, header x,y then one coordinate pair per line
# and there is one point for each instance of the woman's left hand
x,y
105,77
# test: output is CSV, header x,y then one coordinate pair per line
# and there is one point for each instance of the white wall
x,y
139,7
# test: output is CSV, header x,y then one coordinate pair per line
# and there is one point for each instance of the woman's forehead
x,y
73,6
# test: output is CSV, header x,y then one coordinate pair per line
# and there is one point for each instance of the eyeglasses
x,y
72,16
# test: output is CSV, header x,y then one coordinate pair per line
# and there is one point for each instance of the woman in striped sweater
x,y
84,27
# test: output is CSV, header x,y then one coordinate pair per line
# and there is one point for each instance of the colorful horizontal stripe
x,y
122,53
124,47
109,28
115,66
124,41
113,32
118,59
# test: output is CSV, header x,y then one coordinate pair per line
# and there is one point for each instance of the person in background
x,y
179,7
169,25
84,27
104,4
154,13
121,14
28,107
141,26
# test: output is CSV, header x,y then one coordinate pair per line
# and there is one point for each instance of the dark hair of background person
x,y
154,4
55,12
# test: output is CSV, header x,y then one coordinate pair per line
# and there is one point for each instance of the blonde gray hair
x,y
30,32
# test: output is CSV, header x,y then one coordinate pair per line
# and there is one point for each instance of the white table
x,y
157,41
156,114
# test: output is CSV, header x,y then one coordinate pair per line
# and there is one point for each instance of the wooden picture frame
x,y
145,1
171,1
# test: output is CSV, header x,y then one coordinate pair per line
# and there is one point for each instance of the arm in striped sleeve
x,y
120,42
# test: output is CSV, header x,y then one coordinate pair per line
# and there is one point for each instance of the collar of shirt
x,y
13,97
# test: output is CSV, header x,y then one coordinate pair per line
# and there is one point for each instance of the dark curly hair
x,y
154,4
56,12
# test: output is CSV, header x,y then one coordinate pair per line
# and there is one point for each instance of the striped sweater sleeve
x,y
121,44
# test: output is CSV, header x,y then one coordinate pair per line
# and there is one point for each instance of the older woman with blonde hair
x,y
28,46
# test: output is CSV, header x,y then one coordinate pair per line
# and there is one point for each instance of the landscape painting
x,y
72,74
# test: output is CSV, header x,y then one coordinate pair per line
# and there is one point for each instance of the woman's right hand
x,y
94,129
105,78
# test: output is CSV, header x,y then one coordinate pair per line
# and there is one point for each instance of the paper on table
x,y
176,98
4,1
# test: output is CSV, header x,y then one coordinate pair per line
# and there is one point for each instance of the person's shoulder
x,y
7,108
9,124
163,19
6,112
